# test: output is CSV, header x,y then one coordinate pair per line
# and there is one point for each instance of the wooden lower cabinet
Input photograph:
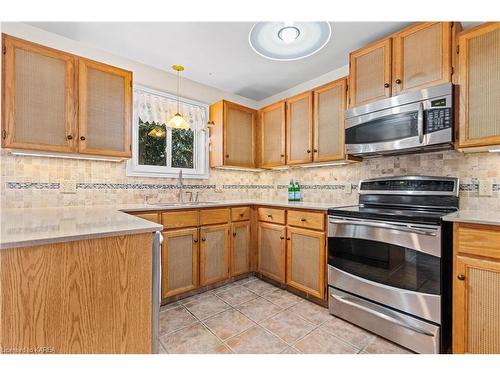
x,y
214,254
476,289
240,248
79,297
272,251
306,262
179,261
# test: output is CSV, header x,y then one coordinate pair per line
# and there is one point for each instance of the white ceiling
x,y
218,53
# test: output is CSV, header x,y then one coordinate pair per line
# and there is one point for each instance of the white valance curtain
x,y
151,107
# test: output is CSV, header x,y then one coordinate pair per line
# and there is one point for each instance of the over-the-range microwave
x,y
412,122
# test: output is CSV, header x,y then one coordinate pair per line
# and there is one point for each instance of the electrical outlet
x,y
485,188
67,187
348,188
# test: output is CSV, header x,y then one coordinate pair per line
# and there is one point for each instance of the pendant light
x,y
157,132
177,121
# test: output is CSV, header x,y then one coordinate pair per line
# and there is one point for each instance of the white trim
x,y
201,142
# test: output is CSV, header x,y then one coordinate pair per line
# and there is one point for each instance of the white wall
x,y
315,82
143,74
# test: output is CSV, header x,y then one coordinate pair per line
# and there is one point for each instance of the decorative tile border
x,y
472,187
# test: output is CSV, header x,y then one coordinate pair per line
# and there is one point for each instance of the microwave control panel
x,y
438,119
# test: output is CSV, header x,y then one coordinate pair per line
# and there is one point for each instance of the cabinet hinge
x,y
4,134
4,50
452,70
458,48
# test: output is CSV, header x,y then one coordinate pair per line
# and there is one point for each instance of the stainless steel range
x,y
389,260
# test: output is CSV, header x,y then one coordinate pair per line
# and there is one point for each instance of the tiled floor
x,y
252,316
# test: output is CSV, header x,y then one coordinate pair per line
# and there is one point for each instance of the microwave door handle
x,y
420,122
403,228
383,316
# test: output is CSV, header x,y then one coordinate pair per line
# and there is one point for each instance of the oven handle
x,y
383,316
420,122
402,227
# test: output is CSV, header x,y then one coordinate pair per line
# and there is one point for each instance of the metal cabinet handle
x,y
282,155
227,155
203,239
70,137
398,81
242,214
270,216
315,150
234,234
461,277
386,85
288,238
82,138
303,219
308,151
282,238
195,240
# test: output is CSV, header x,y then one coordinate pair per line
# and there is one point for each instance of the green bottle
x,y
297,195
291,191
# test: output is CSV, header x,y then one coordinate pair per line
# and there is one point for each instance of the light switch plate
x,y
485,188
348,188
67,187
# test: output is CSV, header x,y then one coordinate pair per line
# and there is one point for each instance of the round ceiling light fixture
x,y
288,41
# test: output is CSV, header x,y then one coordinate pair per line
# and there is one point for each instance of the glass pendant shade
x,y
178,122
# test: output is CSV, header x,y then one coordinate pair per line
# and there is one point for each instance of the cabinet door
x,y
476,306
240,248
306,261
105,102
39,103
272,135
239,128
370,73
299,126
271,244
214,254
179,261
329,107
479,79
422,56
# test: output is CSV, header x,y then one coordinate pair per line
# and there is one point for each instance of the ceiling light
x,y
288,41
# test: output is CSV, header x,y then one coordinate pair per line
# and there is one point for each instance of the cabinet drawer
x,y
271,215
179,219
304,219
214,216
154,217
478,240
240,213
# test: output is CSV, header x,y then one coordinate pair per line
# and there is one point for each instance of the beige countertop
x,y
474,217
171,206
22,227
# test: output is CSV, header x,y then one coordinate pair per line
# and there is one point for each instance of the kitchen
x,y
348,210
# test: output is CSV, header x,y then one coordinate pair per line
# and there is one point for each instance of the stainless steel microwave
x,y
412,122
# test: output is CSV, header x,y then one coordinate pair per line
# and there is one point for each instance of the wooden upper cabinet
x,y
422,56
329,107
370,73
105,109
39,106
43,110
479,86
272,135
299,128
232,135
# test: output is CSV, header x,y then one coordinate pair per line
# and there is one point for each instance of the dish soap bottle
x,y
291,191
297,194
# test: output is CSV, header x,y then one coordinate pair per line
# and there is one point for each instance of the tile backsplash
x,y
28,181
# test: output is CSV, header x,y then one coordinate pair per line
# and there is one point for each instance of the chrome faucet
x,y
180,184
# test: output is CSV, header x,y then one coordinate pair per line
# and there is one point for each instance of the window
x,y
159,151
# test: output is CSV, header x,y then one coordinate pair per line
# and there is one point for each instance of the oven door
x,y
395,264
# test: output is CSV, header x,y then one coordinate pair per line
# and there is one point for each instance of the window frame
x,y
200,148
